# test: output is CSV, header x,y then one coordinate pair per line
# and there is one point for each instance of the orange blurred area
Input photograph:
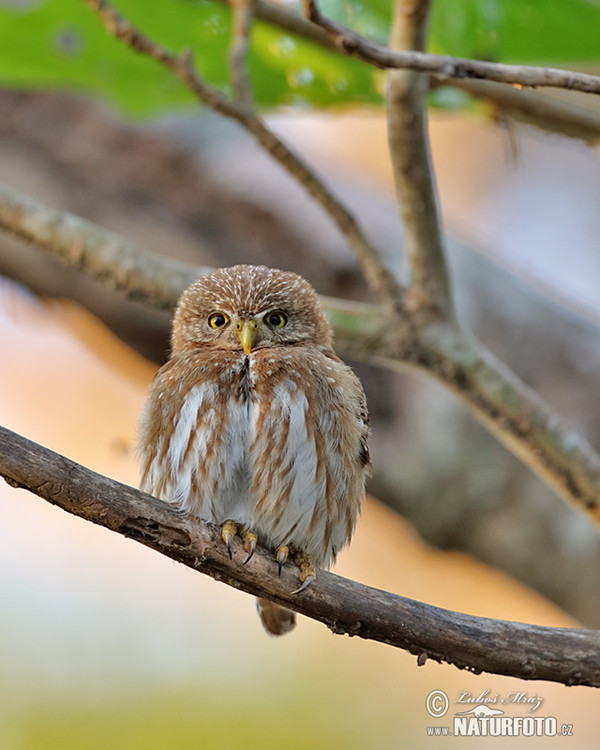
x,y
105,643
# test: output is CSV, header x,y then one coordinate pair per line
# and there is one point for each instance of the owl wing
x,y
361,413
309,452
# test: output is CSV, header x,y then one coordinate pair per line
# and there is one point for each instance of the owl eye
x,y
216,320
276,319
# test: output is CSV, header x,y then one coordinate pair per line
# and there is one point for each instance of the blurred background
x,y
103,642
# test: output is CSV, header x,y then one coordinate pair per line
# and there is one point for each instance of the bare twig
x,y
530,652
445,66
533,108
377,276
243,12
413,172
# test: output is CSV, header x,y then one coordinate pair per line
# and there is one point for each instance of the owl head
x,y
247,308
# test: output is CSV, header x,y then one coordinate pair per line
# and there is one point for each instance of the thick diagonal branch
x,y
411,161
511,411
478,644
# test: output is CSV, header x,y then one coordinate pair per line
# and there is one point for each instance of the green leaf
x,y
61,44
516,31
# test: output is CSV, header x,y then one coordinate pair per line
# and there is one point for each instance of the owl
x,y
254,423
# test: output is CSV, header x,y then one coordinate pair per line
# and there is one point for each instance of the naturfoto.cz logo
x,y
484,717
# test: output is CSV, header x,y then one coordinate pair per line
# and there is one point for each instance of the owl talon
x,y
228,531
307,581
307,571
249,539
282,555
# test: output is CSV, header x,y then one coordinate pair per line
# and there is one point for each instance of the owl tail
x,y
277,620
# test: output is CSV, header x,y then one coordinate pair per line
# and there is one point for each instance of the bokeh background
x,y
104,643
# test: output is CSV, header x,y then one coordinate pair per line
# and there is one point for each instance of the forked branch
x,y
478,644
523,104
182,66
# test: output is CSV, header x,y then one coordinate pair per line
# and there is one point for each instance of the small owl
x,y
254,424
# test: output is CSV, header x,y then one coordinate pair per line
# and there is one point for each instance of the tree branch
x,y
515,414
478,644
97,252
243,12
445,66
411,161
533,108
377,276
288,21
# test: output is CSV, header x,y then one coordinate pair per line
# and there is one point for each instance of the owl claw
x,y
228,531
249,539
282,556
307,571
307,581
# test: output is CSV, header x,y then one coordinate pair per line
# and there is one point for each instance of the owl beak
x,y
247,331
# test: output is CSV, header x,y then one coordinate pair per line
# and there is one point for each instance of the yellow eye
x,y
276,319
218,319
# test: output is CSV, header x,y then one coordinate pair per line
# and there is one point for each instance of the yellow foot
x,y
228,531
249,539
307,571
282,555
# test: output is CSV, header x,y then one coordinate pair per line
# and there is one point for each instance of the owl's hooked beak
x,y
247,332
